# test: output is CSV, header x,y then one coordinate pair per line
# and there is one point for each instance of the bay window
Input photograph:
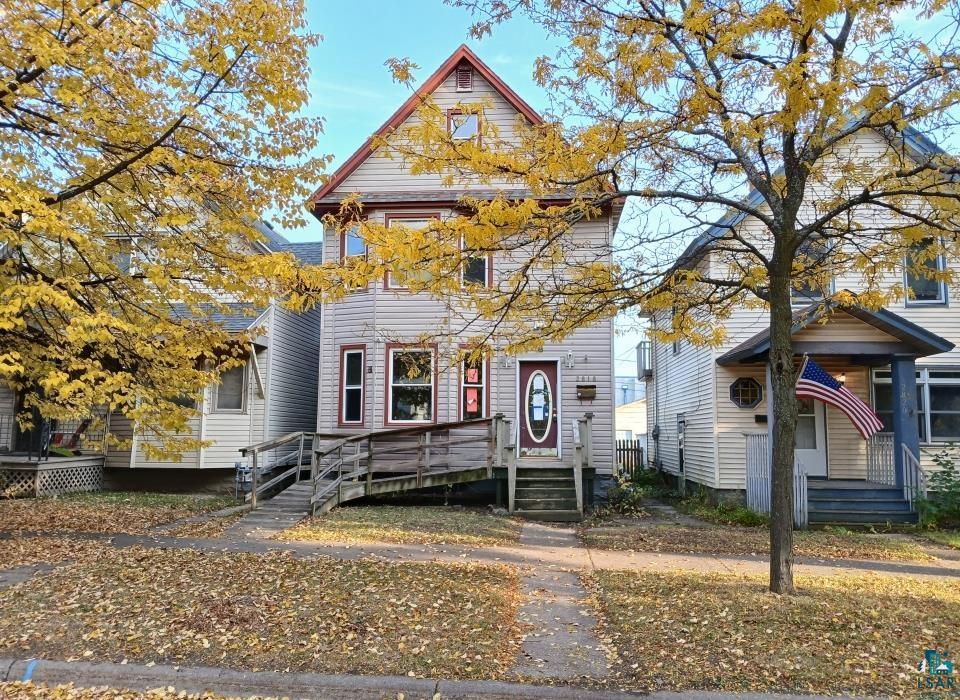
x,y
411,385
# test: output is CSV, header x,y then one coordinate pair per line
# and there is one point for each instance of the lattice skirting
x,y
50,480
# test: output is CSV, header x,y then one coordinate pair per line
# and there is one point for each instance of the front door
x,y
812,437
539,427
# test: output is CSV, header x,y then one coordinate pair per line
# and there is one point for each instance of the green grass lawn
x,y
408,525
950,538
269,612
733,540
860,634
104,511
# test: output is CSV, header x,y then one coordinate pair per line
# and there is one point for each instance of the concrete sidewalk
x,y
314,685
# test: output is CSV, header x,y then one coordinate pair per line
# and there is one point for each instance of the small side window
x,y
746,392
461,126
231,391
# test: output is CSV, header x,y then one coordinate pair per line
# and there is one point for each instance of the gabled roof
x,y
309,253
237,317
918,145
462,55
920,341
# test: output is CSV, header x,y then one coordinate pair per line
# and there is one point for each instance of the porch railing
x,y
759,480
287,450
914,480
881,467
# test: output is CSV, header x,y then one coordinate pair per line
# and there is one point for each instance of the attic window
x,y
463,127
464,79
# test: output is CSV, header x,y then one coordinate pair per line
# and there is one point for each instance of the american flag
x,y
815,383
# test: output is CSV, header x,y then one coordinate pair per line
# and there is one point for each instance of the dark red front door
x,y
538,408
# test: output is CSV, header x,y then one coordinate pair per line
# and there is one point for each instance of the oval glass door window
x,y
539,405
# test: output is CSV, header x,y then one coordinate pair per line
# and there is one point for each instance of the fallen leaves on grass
x,y
824,544
408,525
212,528
269,612
840,634
103,512
949,538
26,551
41,691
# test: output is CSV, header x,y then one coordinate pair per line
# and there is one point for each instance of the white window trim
x,y
910,302
344,386
923,381
389,218
484,387
433,386
243,394
487,263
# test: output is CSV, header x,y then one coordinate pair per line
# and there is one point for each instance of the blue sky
x,y
354,92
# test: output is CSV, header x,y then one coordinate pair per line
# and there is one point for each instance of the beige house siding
x,y
387,172
675,383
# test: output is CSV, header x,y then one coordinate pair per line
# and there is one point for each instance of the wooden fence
x,y
630,456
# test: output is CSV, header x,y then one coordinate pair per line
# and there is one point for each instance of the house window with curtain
x,y
411,385
938,403
473,389
352,385
231,391
920,271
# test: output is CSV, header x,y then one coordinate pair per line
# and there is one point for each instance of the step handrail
x,y
255,450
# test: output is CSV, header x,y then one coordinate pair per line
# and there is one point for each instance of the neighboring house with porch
x,y
376,374
708,414
271,394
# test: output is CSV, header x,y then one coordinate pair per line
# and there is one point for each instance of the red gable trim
x,y
462,54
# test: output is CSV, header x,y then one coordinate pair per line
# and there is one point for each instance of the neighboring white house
x,y
707,406
370,338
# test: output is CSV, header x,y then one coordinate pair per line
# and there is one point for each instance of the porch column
x,y
903,372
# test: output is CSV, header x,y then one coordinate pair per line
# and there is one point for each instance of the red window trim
x,y
387,218
486,386
454,111
388,380
489,257
344,349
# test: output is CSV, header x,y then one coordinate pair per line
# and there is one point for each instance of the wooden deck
x,y
23,475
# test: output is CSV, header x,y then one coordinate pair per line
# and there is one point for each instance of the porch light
x,y
842,378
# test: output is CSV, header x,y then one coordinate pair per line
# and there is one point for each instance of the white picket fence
x,y
759,480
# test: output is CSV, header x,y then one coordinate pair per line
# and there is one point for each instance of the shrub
x,y
941,507
627,496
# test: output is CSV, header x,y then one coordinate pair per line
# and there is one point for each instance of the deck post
x,y
253,480
300,457
588,439
511,476
903,373
369,464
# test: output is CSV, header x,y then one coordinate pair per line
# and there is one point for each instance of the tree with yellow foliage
x,y
701,111
155,132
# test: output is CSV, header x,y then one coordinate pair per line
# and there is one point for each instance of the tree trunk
x,y
782,381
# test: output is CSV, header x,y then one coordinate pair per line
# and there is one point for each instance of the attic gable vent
x,y
464,78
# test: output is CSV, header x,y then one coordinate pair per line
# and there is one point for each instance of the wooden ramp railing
x,y
285,450
348,467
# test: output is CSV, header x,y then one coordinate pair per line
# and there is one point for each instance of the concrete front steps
x,y
546,491
843,502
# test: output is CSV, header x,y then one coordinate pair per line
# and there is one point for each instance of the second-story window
x,y
401,279
812,255
352,244
923,264
476,270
